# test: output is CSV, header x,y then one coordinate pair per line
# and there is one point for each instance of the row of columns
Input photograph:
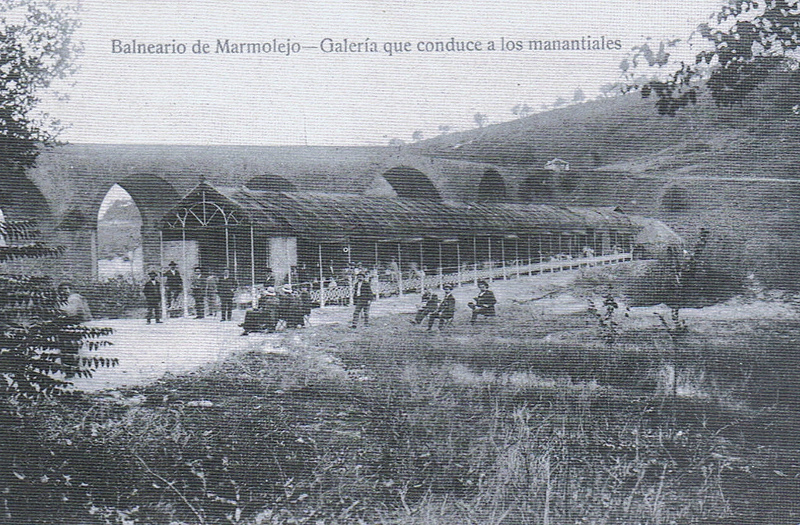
x,y
505,268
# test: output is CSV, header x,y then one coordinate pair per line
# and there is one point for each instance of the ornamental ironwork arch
x,y
204,213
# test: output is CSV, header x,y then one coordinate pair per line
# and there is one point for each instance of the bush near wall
x,y
116,298
717,272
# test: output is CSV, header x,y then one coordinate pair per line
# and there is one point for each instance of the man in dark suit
x,y
484,303
225,289
429,305
362,296
446,309
199,293
173,284
152,297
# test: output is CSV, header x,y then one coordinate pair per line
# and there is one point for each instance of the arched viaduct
x,y
65,189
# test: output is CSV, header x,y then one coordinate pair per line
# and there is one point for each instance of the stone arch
x,y
153,197
119,236
269,182
536,187
492,187
411,183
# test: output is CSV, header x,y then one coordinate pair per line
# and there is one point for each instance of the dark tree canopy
x,y
36,47
38,343
492,188
750,39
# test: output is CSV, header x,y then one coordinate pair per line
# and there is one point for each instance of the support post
x,y
503,257
235,261
164,309
530,259
186,283
321,279
516,255
491,262
441,269
421,268
227,248
475,259
253,299
458,262
400,268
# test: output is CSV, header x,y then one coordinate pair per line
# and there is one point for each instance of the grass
x,y
531,418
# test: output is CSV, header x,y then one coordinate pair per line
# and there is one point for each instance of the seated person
x,y
73,306
290,307
446,310
430,302
305,301
484,303
265,317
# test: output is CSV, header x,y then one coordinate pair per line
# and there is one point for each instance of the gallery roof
x,y
333,217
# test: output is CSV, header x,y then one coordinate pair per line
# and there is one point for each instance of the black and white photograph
x,y
400,263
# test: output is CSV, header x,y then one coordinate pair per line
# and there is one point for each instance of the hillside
x,y
732,170
758,139
122,211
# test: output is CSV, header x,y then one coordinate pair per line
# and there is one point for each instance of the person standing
x,y
212,297
199,293
226,288
173,285
152,297
362,296
484,303
446,310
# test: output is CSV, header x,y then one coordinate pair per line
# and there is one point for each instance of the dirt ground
x,y
178,346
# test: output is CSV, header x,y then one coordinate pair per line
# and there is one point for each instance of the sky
x,y
308,96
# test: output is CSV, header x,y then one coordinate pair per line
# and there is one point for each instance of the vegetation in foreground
x,y
537,418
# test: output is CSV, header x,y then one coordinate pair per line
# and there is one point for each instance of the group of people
x,y
210,292
444,310
291,308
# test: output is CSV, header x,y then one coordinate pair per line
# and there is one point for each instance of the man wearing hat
x,y
152,297
199,293
483,303
226,287
446,309
287,308
269,304
173,284
362,296
263,318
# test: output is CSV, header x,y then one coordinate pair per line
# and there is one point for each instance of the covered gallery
x,y
268,237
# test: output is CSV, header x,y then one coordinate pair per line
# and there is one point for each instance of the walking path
x,y
177,346
147,352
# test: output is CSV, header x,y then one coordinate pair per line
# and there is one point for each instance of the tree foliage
x,y
36,47
38,344
748,40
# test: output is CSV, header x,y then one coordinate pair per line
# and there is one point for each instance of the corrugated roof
x,y
332,217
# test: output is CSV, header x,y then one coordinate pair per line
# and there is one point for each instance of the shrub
x,y
774,257
675,198
712,272
37,342
113,299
